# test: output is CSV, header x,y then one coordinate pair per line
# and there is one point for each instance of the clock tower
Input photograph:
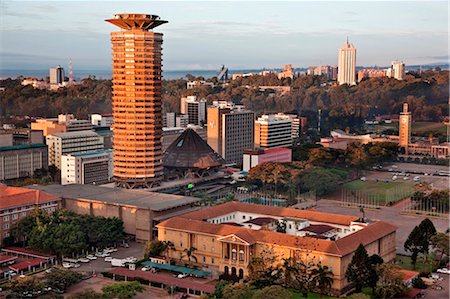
x,y
405,127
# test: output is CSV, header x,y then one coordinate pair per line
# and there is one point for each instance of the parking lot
x,y
438,182
99,265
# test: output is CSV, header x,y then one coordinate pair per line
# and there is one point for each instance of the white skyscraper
x,y
398,70
347,64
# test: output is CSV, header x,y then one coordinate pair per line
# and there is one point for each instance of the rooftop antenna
x,y
70,71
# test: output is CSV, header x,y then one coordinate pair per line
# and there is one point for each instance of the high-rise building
x,y
88,168
347,64
137,62
72,143
57,75
398,70
195,109
273,131
230,131
405,127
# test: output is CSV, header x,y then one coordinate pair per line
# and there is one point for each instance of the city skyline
x,y
204,35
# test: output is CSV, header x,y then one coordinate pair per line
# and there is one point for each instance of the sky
x,y
242,35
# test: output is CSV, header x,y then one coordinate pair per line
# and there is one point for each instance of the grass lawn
x,y
405,263
379,192
416,127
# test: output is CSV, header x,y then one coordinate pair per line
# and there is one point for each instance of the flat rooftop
x,y
139,198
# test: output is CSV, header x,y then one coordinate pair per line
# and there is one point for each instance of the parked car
x,y
67,265
91,257
84,260
405,178
416,178
363,179
108,259
182,275
76,265
443,270
394,177
147,268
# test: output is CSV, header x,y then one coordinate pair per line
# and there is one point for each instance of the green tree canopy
x,y
359,270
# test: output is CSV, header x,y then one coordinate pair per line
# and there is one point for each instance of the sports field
x,y
376,193
417,127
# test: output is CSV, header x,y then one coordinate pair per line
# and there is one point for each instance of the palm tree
x,y
322,278
168,245
188,252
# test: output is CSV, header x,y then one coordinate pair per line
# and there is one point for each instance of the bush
x,y
418,283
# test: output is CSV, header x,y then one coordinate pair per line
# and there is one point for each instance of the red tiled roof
x,y
16,197
261,220
25,264
158,278
6,258
340,247
18,250
407,274
318,228
235,206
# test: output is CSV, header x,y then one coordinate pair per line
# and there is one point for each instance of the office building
x,y
287,72
397,70
102,120
18,203
88,168
169,121
195,110
139,210
253,158
57,75
230,131
64,123
273,131
229,235
22,151
370,73
77,142
136,100
405,127
347,64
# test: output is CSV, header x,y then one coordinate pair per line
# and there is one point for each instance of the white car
x,y
394,177
146,268
84,260
363,179
76,265
91,257
108,259
182,275
443,270
405,178
416,178
67,265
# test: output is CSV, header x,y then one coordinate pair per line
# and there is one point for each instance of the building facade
x,y
405,127
102,120
64,123
18,203
273,131
227,236
72,143
195,110
88,168
57,75
137,74
230,131
398,70
370,73
253,158
347,64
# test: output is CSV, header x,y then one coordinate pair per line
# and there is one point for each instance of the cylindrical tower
x,y
136,100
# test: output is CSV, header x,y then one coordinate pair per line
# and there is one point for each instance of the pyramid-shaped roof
x,y
190,151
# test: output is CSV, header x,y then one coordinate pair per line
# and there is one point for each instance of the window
x,y
5,225
15,216
204,247
241,255
6,234
243,216
5,218
181,244
233,254
212,260
204,259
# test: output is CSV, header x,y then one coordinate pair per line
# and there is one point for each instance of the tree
x,y
238,291
154,248
359,269
272,292
25,284
189,253
440,243
262,271
62,279
428,230
122,290
322,278
415,244
390,283
374,260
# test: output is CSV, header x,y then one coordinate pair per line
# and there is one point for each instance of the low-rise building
x,y
72,143
253,158
88,168
139,210
64,123
17,203
193,84
102,120
226,242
